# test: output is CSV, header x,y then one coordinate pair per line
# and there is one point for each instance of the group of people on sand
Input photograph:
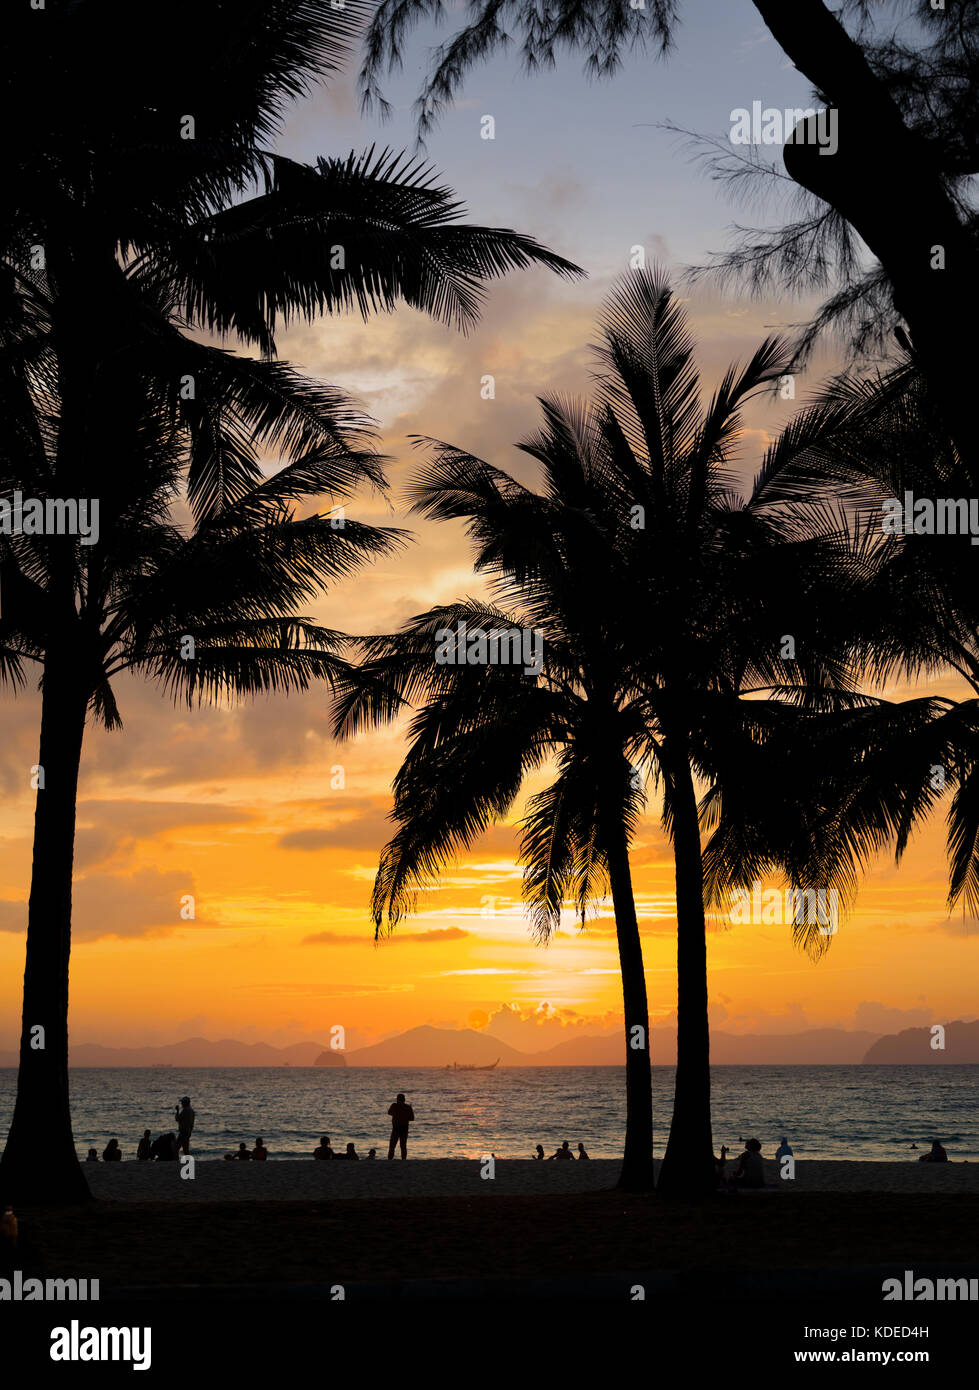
x,y
750,1171
259,1153
563,1152
166,1147
401,1117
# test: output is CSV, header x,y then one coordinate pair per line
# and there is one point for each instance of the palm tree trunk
x,y
39,1163
637,1163
688,1164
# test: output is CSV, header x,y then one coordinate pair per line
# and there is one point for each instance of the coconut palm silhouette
x,y
662,599
146,214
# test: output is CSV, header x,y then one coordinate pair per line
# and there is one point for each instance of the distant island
x,y
427,1046
197,1052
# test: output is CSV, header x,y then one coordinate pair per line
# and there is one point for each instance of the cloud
x,y
331,938
541,1025
140,904
367,827
872,1017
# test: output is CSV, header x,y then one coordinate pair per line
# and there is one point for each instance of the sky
x,y
272,828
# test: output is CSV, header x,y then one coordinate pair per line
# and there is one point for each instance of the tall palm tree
x,y
481,732
210,610
145,211
663,600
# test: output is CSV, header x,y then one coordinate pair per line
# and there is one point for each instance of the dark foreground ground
x,y
567,1238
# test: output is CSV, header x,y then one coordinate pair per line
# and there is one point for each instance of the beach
x,y
309,1180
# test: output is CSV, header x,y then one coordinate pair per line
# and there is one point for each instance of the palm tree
x,y
885,767
663,601
482,731
211,611
145,210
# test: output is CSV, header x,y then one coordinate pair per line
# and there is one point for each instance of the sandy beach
x,y
219,1181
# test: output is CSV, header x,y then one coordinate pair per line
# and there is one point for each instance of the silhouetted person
x,y
401,1117
540,1152
144,1149
581,1151
112,1152
243,1151
750,1171
324,1150
229,1158
563,1152
185,1117
371,1153
260,1152
784,1150
720,1168
352,1153
93,1156
165,1147
935,1155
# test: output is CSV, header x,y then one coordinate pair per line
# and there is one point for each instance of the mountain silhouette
x,y
914,1045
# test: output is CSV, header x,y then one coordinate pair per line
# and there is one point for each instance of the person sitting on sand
x,y
260,1152
540,1152
750,1171
936,1155
401,1116
581,1151
229,1158
324,1150
352,1153
112,1152
372,1153
93,1156
165,1147
144,1149
563,1152
720,1168
784,1150
243,1152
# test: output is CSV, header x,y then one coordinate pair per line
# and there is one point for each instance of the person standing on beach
x,y
401,1117
260,1153
185,1117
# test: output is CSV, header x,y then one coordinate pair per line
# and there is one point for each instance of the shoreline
x,y
284,1180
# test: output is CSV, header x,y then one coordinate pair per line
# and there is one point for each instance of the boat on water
x,y
454,1066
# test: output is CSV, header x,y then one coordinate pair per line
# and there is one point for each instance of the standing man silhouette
x,y
185,1117
401,1116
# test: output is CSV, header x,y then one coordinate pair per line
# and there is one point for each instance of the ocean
x,y
845,1112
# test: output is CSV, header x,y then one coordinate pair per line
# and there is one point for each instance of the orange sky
x,y
246,810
